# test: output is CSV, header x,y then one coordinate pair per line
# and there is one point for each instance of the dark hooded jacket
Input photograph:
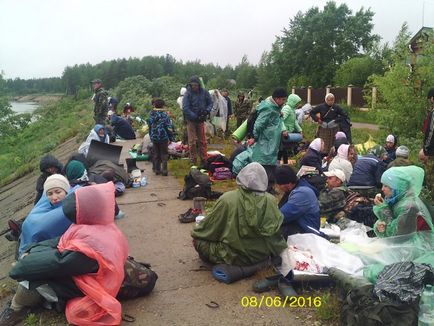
x,y
198,105
46,162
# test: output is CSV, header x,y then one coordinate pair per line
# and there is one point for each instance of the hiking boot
x,y
285,288
9,317
266,284
190,215
12,236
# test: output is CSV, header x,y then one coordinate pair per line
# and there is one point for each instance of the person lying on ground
x,y
401,211
243,227
299,204
82,271
402,153
99,134
313,155
46,220
369,168
48,165
121,127
77,174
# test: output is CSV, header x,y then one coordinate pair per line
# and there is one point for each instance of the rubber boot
x,y
131,164
164,171
199,203
157,167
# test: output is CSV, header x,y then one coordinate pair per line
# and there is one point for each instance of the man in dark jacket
x,y
369,168
196,105
48,165
225,94
390,147
121,127
101,102
299,205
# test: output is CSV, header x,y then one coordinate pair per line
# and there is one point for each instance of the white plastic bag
x,y
325,253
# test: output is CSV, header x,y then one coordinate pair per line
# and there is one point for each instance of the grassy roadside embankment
x,y
56,122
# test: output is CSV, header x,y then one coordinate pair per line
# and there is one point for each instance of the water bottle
x,y
143,181
426,307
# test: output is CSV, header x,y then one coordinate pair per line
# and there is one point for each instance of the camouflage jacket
x,y
243,109
101,104
333,200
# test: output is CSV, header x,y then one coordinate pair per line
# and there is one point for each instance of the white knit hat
x,y
56,181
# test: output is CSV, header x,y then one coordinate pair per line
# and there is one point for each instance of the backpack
x,y
217,161
222,173
139,280
196,184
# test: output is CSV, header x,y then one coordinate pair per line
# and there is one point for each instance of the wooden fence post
x,y
374,97
293,90
309,94
349,94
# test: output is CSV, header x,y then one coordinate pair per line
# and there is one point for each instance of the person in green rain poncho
x,y
243,227
401,211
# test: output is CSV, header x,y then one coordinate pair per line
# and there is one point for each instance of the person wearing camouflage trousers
x,y
101,102
243,107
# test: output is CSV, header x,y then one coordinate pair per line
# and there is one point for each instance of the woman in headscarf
x,y
342,161
98,133
313,154
243,227
85,268
46,220
401,211
328,116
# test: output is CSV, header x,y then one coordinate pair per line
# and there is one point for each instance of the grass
x,y
57,122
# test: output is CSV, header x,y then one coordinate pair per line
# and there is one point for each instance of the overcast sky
x,y
39,38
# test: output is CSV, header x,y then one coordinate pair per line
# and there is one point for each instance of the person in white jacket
x,y
99,134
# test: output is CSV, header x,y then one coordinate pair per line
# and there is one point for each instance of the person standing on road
x,y
225,94
101,102
328,116
196,105
267,131
243,106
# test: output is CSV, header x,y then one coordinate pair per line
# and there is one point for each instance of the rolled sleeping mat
x,y
241,132
229,273
294,138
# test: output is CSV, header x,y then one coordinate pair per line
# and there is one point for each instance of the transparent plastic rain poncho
x,y
402,210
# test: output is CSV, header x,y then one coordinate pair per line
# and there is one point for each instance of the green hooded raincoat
x,y
243,227
289,117
267,132
406,207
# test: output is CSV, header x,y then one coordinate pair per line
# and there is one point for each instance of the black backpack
x,y
196,184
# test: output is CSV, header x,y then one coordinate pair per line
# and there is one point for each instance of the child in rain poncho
x,y
401,211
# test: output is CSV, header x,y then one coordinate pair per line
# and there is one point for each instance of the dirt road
x,y
156,236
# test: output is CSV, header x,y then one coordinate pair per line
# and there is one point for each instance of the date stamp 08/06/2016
x,y
280,302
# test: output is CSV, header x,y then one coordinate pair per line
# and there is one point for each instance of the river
x,y
24,107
